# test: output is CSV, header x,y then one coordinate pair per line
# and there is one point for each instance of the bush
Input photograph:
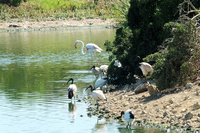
x,y
145,33
176,63
11,2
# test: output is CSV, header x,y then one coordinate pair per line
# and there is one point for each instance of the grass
x,y
48,10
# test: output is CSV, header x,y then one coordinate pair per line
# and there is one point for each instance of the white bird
x,y
97,95
95,71
72,89
90,47
100,82
102,71
118,63
128,116
145,67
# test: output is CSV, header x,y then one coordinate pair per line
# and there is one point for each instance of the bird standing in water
x,y
72,89
90,47
129,117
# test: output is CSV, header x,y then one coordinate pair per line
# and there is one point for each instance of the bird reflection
x,y
126,130
73,111
100,126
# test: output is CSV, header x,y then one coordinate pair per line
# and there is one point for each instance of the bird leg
x,y
96,59
92,59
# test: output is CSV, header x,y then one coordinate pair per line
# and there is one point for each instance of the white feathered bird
x,y
100,82
145,67
102,71
97,95
72,89
128,116
90,47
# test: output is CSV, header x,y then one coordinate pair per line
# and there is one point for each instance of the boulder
x,y
153,90
141,88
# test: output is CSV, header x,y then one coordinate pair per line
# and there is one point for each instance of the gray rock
x,y
166,112
196,106
189,116
189,85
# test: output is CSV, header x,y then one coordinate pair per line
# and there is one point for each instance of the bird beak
x,y
75,45
87,88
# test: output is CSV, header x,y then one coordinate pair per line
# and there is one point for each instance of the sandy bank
x,y
59,24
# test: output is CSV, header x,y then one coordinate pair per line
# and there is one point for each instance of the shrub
x,y
179,60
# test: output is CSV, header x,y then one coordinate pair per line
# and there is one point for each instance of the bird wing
x,y
72,87
93,47
99,94
100,82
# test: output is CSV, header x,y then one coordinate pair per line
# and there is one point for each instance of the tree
x,y
145,33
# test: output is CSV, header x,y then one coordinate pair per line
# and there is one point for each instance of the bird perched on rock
x,y
72,89
129,117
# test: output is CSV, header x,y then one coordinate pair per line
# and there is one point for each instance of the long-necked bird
x,y
145,67
90,47
97,95
128,116
72,89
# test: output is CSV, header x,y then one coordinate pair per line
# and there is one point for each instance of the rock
x,y
189,85
153,90
177,105
196,106
166,112
143,112
135,106
141,88
174,111
179,116
188,116
198,119
183,110
171,100
126,87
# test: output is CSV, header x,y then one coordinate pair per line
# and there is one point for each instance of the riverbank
x,y
59,24
176,107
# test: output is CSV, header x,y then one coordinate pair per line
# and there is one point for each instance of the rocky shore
x,y
174,108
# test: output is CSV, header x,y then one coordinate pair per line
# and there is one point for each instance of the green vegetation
x,y
37,10
148,27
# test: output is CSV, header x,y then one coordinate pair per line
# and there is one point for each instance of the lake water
x,y
35,67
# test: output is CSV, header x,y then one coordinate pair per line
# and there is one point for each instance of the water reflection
x,y
73,111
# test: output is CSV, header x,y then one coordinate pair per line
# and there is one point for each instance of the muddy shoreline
x,y
57,25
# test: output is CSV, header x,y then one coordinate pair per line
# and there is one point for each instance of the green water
x,y
33,91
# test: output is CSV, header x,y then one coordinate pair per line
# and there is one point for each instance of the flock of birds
x,y
96,93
